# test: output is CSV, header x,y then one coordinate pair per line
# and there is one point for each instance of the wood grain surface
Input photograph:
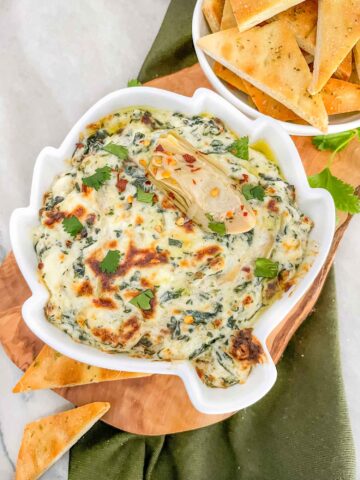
x,y
159,404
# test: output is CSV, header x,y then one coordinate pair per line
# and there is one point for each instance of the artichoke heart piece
x,y
198,188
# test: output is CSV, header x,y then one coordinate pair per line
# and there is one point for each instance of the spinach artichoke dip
x,y
166,238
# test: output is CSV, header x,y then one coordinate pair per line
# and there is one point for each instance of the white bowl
x,y
337,123
316,203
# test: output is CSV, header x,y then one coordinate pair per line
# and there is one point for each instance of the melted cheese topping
x,y
205,294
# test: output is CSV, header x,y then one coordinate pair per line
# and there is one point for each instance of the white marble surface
x,y
57,58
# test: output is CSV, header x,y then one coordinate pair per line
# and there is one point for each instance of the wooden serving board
x,y
159,404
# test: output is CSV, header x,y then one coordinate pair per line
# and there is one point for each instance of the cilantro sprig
x,y
117,150
335,142
240,148
253,191
143,300
134,82
110,262
72,225
98,179
343,193
266,268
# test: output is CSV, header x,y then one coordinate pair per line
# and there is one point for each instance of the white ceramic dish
x,y
316,203
337,123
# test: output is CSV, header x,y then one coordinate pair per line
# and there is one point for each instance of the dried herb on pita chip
x,y
47,439
51,369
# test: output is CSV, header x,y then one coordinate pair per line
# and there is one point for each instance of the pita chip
x,y
212,10
344,70
47,439
302,20
269,58
229,77
357,58
338,30
228,17
263,102
341,97
249,13
51,369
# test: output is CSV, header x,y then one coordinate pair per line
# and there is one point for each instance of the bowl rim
x,y
244,107
202,397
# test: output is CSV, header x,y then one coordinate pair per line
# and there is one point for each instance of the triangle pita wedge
x,y
270,59
47,439
338,30
51,369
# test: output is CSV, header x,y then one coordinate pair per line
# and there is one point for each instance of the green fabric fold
x,y
299,431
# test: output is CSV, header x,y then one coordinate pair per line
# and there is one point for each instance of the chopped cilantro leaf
x,y
98,178
72,225
142,300
344,195
175,243
240,148
134,82
251,191
117,150
266,268
142,196
217,227
110,262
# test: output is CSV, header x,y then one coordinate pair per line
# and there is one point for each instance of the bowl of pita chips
x,y
296,61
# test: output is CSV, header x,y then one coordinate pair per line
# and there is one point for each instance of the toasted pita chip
x,y
47,439
249,13
338,30
51,369
302,20
357,58
212,10
263,102
269,106
344,70
341,97
228,17
270,59
229,77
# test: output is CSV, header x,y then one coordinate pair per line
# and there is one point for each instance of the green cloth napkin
x,y
299,431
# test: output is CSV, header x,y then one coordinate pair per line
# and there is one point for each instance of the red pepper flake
x,y
40,265
245,214
246,269
189,158
245,178
242,207
159,148
79,145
